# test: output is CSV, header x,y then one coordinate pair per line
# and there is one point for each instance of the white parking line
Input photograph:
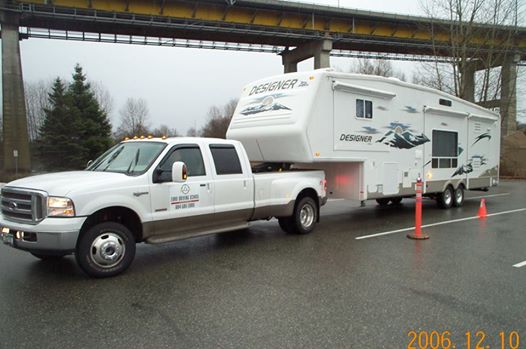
x,y
487,196
437,223
521,264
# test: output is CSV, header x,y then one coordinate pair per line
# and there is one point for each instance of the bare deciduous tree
x,y
480,37
219,120
37,99
103,96
192,132
376,67
134,118
166,131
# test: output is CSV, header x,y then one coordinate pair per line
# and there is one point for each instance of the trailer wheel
x,y
106,249
458,196
383,202
445,199
305,216
396,201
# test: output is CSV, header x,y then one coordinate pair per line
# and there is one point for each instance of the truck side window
x,y
444,149
364,109
226,159
190,155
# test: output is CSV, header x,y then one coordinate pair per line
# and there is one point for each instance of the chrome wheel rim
x,y
459,196
107,250
447,196
306,216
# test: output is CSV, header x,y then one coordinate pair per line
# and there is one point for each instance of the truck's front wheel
x,y
305,216
106,249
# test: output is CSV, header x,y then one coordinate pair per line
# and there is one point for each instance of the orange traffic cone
x,y
482,209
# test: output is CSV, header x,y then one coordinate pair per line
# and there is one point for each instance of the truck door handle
x,y
202,185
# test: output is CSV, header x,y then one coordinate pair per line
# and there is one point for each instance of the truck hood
x,y
61,183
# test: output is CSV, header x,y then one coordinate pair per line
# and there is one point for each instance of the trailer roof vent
x,y
445,102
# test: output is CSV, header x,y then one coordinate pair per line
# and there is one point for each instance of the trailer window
x,y
226,159
364,109
444,149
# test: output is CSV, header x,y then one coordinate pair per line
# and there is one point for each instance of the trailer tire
x,y
458,196
48,257
396,201
305,216
445,199
383,201
105,250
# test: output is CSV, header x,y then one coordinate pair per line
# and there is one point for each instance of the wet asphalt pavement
x,y
262,288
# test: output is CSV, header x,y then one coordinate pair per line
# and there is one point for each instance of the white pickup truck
x,y
154,191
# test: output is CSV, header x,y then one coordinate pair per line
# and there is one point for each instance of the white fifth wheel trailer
x,y
373,136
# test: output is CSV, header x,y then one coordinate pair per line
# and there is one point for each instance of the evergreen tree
x,y
94,128
59,144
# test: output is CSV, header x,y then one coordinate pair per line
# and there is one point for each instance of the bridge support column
x,y
319,49
508,95
16,142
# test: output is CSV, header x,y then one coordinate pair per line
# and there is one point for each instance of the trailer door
x,y
445,154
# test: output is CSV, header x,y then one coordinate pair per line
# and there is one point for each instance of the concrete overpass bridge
x,y
296,31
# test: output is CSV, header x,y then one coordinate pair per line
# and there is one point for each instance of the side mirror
x,y
179,172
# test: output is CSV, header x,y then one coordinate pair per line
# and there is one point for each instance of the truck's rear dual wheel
x,y
106,249
303,219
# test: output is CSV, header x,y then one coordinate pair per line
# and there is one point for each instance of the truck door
x,y
234,186
181,208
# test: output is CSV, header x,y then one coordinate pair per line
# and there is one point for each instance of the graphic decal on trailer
x,y
481,137
370,130
464,169
402,137
265,104
410,109
475,161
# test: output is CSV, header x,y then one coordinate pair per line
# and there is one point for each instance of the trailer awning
x,y
342,86
446,112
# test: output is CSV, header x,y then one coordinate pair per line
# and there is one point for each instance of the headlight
x,y
60,207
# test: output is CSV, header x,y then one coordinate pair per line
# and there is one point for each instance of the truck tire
x,y
445,199
105,250
285,223
458,196
383,201
305,216
48,257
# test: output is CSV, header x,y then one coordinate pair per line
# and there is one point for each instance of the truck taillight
x,y
324,183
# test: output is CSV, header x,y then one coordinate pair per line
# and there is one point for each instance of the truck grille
x,y
23,205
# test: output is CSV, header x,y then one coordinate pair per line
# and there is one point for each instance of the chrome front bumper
x,y
52,234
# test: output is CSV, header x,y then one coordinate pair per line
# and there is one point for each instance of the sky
x,y
178,84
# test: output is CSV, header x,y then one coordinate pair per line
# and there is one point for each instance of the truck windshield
x,y
131,158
